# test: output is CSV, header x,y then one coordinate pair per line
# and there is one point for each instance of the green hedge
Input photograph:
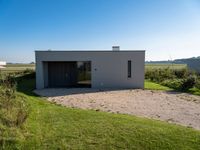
x,y
179,79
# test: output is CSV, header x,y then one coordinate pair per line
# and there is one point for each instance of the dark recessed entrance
x,y
69,74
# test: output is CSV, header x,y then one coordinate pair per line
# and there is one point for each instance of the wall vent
x,y
116,48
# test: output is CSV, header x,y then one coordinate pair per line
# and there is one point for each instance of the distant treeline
x,y
193,63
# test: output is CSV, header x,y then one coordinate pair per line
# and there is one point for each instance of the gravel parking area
x,y
179,108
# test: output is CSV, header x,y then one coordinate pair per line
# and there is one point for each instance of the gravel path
x,y
179,108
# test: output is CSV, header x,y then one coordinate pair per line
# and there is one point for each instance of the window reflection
x,y
84,73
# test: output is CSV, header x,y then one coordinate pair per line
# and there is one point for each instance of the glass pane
x,y
84,73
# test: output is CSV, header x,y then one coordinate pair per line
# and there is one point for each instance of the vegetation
x,y
178,79
154,86
10,68
13,112
161,66
50,126
192,63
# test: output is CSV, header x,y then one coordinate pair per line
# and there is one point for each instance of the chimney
x,y
116,48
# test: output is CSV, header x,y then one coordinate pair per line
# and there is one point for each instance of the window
x,y
129,69
84,73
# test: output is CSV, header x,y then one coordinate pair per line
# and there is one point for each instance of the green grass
x,y
17,67
154,86
51,126
20,65
194,91
161,66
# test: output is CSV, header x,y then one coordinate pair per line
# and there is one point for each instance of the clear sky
x,y
166,29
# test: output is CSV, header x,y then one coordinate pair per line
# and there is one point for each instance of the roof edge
x,y
90,51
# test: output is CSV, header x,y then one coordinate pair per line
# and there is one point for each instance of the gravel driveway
x,y
179,108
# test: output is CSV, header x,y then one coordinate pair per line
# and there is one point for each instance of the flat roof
x,y
90,50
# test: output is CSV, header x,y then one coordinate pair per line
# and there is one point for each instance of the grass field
x,y
51,126
17,67
21,67
154,86
161,66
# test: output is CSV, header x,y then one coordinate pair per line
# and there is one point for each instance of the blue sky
x,y
166,29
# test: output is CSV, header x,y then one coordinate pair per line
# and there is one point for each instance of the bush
x,y
28,71
13,111
181,73
179,79
188,83
159,75
180,84
197,84
173,83
8,87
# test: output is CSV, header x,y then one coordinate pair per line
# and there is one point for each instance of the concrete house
x,y
95,69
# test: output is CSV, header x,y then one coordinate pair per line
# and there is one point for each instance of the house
x,y
97,69
2,64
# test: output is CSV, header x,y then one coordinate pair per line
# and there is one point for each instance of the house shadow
x,y
176,92
54,92
26,85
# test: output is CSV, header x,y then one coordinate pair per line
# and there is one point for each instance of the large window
x,y
129,68
84,73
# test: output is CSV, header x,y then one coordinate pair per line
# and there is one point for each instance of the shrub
x,y
173,83
179,79
27,71
8,87
159,75
188,83
197,84
180,84
181,73
13,111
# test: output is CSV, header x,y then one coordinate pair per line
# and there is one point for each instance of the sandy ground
x,y
173,107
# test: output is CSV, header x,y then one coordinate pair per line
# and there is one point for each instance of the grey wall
x,y
109,68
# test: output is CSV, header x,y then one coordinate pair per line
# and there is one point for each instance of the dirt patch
x,y
179,108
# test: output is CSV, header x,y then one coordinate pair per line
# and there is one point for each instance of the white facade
x,y
2,64
109,69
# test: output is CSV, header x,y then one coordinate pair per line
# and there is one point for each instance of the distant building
x,y
2,64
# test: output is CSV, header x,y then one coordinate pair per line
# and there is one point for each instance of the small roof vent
x,y
116,48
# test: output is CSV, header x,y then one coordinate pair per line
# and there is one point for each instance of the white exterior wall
x,y
109,68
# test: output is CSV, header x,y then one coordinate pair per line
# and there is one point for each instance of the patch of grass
x,y
195,91
56,127
13,113
50,126
20,65
154,86
10,68
162,66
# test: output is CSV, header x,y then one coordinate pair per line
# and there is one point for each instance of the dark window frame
x,y
129,68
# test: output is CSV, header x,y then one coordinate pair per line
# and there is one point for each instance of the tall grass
x,y
13,111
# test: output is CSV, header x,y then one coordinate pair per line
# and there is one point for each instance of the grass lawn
x,y
17,67
51,126
154,86
195,91
161,66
